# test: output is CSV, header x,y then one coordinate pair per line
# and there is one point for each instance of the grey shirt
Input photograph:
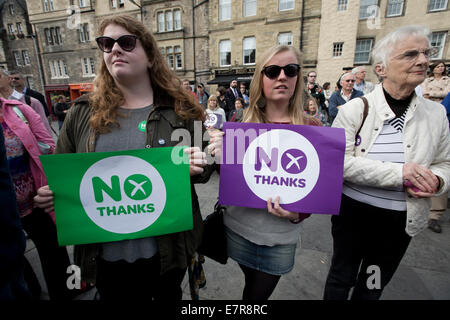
x,y
129,136
261,227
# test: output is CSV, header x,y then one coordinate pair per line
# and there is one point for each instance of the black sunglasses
x,y
126,42
273,71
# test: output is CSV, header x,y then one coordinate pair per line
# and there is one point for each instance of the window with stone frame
x,y
437,5
169,20
11,9
178,58
17,58
368,9
284,5
177,19
395,8
250,8
19,28
26,57
338,47
438,43
48,5
53,36
224,10
249,50
285,38
170,59
362,50
225,53
11,29
84,32
58,69
88,67
342,5
82,3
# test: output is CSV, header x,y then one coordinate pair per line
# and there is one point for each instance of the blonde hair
x,y
256,112
213,97
107,97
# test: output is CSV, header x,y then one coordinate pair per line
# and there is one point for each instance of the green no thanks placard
x,y
113,196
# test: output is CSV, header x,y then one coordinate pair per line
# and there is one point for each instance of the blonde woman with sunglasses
x,y
263,241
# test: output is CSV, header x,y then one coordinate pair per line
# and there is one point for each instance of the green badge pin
x,y
142,125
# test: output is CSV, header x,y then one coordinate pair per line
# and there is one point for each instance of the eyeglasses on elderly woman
x,y
412,55
126,42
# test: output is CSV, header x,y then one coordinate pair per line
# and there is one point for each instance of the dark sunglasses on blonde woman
x,y
126,42
273,71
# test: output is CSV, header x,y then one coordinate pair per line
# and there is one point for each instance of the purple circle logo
x,y
358,140
294,161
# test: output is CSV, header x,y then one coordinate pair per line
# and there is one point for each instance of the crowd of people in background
x,y
148,85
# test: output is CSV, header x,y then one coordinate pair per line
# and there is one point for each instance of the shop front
x,y
78,89
224,77
53,91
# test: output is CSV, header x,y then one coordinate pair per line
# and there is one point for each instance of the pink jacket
x,y
29,135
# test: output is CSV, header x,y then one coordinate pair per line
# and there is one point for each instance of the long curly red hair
x,y
107,97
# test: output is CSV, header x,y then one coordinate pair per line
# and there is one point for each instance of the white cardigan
x,y
426,142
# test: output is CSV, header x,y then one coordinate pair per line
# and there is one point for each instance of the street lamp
x,y
140,8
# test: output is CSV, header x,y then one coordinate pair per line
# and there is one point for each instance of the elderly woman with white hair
x,y
399,160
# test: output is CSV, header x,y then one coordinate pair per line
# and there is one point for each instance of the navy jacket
x,y
12,238
337,100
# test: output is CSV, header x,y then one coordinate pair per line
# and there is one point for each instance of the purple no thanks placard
x,y
301,164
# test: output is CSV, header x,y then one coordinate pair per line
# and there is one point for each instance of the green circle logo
x,y
142,125
138,187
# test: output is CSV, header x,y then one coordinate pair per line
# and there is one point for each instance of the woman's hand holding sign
x,y
276,210
197,160
44,199
215,144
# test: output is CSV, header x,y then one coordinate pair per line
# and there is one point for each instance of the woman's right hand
x,y
420,177
44,199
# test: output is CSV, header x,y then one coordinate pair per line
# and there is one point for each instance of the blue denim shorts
x,y
276,260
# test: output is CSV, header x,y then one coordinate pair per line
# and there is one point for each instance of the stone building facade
x,y
214,41
181,30
18,43
239,30
349,29
65,32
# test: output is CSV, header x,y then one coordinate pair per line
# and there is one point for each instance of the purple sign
x,y
213,120
302,164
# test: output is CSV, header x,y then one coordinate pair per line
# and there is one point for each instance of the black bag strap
x,y
365,112
27,99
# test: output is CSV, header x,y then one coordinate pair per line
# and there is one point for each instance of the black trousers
x,y
140,280
364,236
54,259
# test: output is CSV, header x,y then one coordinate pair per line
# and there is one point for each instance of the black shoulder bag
x,y
214,242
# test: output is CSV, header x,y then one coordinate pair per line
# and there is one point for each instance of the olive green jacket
x,y
77,136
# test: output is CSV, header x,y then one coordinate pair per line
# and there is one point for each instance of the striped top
x,y
388,147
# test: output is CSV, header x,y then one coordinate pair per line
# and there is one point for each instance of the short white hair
x,y
382,51
346,74
356,70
